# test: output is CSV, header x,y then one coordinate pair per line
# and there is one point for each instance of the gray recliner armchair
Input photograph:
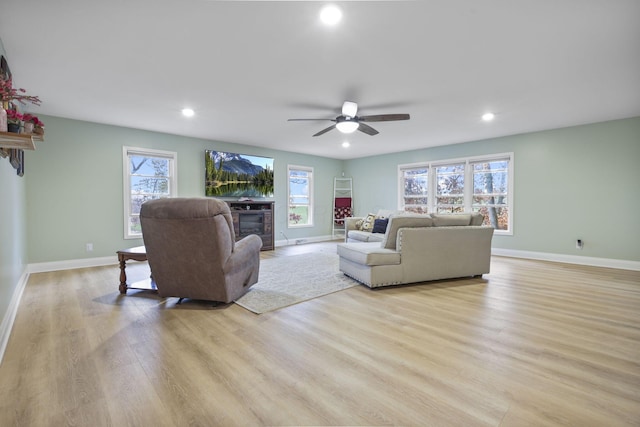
x,y
192,252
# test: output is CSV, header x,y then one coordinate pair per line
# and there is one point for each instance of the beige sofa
x,y
418,248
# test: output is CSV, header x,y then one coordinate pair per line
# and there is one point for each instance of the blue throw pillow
x,y
380,225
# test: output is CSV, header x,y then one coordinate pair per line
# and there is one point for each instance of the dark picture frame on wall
x,y
14,158
5,72
20,169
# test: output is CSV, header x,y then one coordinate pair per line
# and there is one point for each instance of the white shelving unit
x,y
342,204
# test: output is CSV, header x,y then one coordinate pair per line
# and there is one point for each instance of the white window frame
x,y
433,190
309,170
147,152
401,195
468,180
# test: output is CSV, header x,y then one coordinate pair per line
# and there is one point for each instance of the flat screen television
x,y
232,175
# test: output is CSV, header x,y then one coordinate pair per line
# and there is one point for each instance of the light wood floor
x,y
532,343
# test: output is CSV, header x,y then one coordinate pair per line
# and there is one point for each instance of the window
x,y
300,190
490,192
415,186
445,187
148,174
450,189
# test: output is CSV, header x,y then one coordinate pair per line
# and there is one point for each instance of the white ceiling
x,y
247,67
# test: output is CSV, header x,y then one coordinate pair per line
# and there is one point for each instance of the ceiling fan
x,y
349,122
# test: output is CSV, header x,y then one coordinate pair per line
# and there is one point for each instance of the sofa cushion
x,y
385,213
400,221
450,220
364,236
368,254
361,236
380,225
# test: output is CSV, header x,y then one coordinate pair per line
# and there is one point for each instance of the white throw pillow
x,y
367,223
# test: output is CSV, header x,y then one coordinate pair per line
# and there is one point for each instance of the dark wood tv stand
x,y
253,218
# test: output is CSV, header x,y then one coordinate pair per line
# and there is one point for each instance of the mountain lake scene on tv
x,y
237,175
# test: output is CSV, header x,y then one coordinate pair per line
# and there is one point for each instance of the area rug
x,y
289,280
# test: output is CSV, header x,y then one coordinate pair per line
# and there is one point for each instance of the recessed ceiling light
x,y
346,144
188,112
487,117
330,15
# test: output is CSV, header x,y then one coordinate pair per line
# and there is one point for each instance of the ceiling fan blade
x,y
299,120
384,117
349,109
367,129
323,131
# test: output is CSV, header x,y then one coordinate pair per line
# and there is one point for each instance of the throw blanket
x,y
342,209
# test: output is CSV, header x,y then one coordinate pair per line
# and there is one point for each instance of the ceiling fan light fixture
x,y
349,122
348,126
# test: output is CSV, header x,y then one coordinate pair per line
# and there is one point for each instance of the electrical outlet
x,y
89,247
579,244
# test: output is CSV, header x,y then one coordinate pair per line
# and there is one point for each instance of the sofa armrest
x,y
350,224
241,269
448,251
245,255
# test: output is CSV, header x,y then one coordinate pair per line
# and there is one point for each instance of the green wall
x,y
13,232
74,186
570,183
578,182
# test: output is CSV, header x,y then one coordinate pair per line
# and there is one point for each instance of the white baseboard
x,y
72,263
543,256
569,259
42,267
10,315
303,240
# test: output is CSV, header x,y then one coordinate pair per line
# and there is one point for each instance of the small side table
x,y
139,253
